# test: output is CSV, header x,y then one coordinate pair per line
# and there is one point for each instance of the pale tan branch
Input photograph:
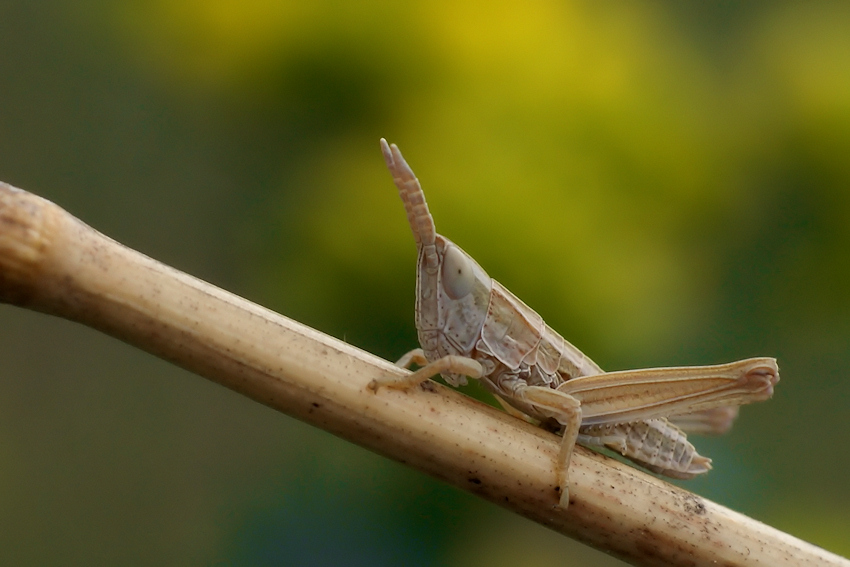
x,y
52,262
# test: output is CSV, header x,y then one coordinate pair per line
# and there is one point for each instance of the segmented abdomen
x,y
655,444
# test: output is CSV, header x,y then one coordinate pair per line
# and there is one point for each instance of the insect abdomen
x,y
655,444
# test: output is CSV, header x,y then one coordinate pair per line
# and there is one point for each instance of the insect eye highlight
x,y
457,274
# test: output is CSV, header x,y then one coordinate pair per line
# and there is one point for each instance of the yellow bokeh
x,y
571,148
665,182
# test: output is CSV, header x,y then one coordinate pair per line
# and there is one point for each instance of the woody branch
x,y
52,262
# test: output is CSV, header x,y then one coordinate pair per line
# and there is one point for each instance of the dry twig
x,y
52,262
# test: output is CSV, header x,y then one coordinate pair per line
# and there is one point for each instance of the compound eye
x,y
457,273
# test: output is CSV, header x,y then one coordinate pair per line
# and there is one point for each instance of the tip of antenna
x,y
388,154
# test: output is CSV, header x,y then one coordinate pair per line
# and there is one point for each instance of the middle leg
x,y
567,411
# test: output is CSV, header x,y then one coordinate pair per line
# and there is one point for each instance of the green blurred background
x,y
666,183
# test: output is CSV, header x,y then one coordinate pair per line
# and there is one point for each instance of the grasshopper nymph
x,y
469,325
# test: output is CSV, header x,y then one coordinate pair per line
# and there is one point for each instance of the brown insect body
x,y
471,325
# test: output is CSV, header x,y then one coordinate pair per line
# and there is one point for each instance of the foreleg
x,y
416,356
449,364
